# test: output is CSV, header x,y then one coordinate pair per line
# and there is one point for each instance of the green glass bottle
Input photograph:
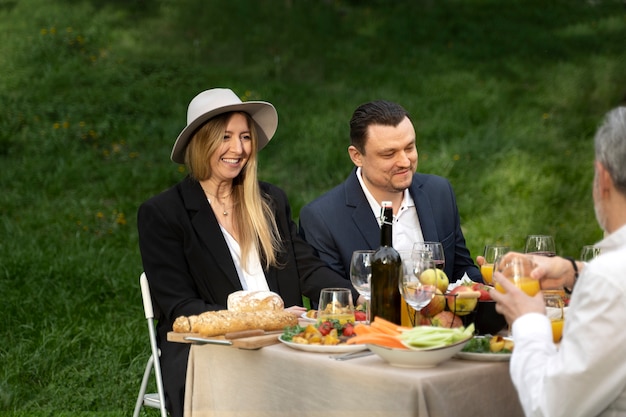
x,y
386,273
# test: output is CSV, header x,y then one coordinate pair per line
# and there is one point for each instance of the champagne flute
x,y
491,254
414,292
361,275
588,253
436,252
540,245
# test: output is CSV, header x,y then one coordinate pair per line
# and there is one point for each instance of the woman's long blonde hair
x,y
252,215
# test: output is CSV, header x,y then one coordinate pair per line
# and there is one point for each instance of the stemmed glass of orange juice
x,y
554,310
517,269
491,254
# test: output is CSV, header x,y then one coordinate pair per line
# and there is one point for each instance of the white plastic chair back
x,y
152,400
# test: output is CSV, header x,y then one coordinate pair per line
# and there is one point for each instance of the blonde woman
x,y
220,230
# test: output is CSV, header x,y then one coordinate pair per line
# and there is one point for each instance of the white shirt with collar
x,y
586,374
406,225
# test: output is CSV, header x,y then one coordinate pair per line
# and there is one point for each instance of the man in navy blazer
x,y
346,218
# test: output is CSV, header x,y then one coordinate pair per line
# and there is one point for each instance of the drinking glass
x,y
436,252
588,253
335,304
361,275
517,269
414,292
554,310
491,253
540,245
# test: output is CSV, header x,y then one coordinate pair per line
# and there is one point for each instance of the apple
x,y
446,319
462,300
435,277
436,305
484,291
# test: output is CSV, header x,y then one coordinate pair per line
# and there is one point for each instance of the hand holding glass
x,y
518,269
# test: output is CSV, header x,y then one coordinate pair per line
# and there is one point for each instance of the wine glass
x,y
414,292
588,253
540,245
335,304
436,252
361,275
554,310
491,253
517,269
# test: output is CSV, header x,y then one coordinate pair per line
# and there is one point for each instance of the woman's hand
x,y
296,310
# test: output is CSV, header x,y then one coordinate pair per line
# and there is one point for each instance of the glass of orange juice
x,y
517,269
554,310
491,253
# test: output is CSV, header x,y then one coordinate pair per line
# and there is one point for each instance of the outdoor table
x,y
278,381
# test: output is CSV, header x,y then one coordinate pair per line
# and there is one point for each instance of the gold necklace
x,y
224,208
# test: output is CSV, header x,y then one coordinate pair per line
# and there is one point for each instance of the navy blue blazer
x,y
341,221
190,269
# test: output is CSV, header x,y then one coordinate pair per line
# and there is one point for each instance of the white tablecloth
x,y
277,381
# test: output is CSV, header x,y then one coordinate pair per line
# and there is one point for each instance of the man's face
x,y
390,157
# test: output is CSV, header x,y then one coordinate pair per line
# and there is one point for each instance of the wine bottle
x,y
386,273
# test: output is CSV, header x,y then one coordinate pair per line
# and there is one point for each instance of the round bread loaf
x,y
254,301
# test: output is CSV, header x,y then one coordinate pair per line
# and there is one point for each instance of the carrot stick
x,y
384,329
361,329
377,339
388,324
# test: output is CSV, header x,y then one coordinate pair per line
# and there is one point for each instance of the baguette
x,y
214,323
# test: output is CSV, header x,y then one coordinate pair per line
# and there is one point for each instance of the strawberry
x,y
325,328
360,315
348,330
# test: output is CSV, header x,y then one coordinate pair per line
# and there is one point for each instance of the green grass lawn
x,y
505,97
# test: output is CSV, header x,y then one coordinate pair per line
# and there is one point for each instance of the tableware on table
x,y
484,356
588,253
341,348
416,294
352,355
491,253
418,358
335,304
540,245
436,252
555,312
361,275
517,269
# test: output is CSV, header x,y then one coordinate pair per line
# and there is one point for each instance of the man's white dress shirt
x,y
586,375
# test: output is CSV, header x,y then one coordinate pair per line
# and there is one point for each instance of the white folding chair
x,y
152,400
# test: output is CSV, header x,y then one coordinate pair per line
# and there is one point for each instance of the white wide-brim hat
x,y
216,101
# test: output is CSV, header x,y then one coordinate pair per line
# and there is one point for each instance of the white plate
x,y
412,358
307,318
484,357
323,348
